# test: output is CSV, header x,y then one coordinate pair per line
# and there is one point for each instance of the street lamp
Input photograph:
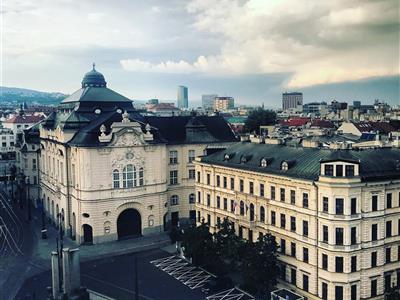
x,y
27,185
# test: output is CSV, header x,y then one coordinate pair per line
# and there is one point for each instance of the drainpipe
x,y
68,193
317,236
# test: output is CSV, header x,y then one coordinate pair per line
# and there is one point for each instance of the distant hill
x,y
18,95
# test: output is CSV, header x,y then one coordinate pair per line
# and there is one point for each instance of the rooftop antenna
x,y
94,65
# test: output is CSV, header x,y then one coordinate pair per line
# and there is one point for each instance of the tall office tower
x,y
183,101
292,100
207,101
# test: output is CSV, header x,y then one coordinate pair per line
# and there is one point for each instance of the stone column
x,y
75,269
55,274
66,271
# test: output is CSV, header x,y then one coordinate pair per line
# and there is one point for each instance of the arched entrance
x,y
129,224
87,234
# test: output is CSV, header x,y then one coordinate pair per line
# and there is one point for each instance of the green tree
x,y
259,117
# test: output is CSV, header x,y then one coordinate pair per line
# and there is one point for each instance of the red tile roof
x,y
383,127
24,119
295,122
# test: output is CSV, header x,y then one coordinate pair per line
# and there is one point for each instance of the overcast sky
x,y
252,50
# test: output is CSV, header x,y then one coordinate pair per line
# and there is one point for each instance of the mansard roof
x,y
383,163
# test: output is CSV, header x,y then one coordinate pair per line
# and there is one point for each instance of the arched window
x,y
128,176
251,212
116,184
134,177
242,208
141,176
174,200
191,199
262,214
263,163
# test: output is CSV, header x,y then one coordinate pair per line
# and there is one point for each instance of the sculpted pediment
x,y
128,137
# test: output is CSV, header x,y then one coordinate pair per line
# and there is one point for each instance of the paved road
x,y
114,277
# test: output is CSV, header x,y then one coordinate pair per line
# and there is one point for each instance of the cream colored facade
x,y
296,210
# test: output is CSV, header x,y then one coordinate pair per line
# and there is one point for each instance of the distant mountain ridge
x,y
20,95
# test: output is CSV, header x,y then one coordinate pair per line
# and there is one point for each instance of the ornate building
x,y
111,173
335,213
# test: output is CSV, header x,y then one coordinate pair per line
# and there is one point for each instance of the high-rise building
x,y
207,101
224,103
183,101
292,100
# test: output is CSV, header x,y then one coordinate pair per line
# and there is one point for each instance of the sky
x,y
252,50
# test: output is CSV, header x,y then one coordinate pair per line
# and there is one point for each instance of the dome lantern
x,y
93,79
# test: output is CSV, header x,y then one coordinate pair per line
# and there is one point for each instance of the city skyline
x,y
244,49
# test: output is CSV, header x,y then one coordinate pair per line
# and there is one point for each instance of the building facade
x,y
224,103
7,139
111,173
183,97
207,101
335,213
292,101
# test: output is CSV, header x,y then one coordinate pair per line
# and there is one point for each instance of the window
x,y
208,219
324,261
192,173
283,221
208,200
325,233
34,165
261,190
349,170
251,187
389,200
353,292
388,279
208,179
354,263
273,217
116,184
292,197
339,170
293,249
272,193
141,177
388,228
325,204
232,183
305,282
374,232
282,194
324,291
225,204
373,259
218,201
242,208
218,180
305,228
328,170
225,182
338,293
339,236
173,157
233,206
305,200
353,206
173,177
191,156
191,199
305,254
374,285
198,177
262,214
293,276
374,202
353,235
174,200
387,255
241,185
293,223
241,231
339,264
128,174
218,221
251,212
339,206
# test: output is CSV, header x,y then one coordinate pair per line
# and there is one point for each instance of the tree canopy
x,y
259,117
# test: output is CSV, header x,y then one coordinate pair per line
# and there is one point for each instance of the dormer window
x,y
226,157
263,163
97,111
285,166
245,158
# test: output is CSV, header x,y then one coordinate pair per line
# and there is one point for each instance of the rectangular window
x,y
339,206
208,179
339,236
293,276
116,181
251,187
225,182
305,282
339,264
198,177
283,246
173,157
292,197
388,255
388,228
349,171
191,156
208,200
293,223
198,197
305,255
373,259
173,177
388,279
353,206
192,173
218,221
324,261
325,233
261,190
225,204
282,194
353,292
273,222
232,183
339,170
241,185
325,204
218,201
338,293
324,291
272,193
34,166
374,232
374,202
218,180
208,219
328,170
305,228
283,221
374,285
353,235
305,200
293,249
354,264
389,200
232,206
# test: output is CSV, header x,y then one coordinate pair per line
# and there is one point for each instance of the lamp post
x,y
27,185
13,170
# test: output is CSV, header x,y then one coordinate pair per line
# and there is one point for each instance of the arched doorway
x,y
87,234
129,224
